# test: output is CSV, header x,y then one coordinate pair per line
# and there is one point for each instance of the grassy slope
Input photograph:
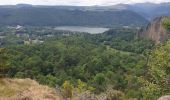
x,y
27,89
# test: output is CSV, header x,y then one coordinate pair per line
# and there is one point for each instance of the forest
x,y
116,60
54,16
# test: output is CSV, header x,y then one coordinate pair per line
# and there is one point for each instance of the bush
x,y
114,95
166,23
4,64
67,89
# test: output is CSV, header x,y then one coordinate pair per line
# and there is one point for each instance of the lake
x,y
92,30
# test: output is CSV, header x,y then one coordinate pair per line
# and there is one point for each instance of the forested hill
x,y
54,16
114,15
114,65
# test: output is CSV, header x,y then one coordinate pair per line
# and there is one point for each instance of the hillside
x,y
55,16
114,65
107,16
150,10
25,89
156,31
147,10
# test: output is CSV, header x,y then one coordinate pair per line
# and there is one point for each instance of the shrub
x,y
166,23
67,89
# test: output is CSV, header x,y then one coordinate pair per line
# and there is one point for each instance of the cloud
x,y
76,2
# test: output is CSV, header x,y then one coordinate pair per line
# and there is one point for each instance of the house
x,y
30,41
18,27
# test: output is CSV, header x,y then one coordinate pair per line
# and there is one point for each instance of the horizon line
x,y
81,5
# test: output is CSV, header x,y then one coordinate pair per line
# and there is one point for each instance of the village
x,y
22,35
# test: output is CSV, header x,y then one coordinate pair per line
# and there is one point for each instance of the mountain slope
x,y
150,10
147,10
54,16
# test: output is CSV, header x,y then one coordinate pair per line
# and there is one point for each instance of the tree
x,y
156,81
166,23
82,86
67,89
100,82
4,64
159,65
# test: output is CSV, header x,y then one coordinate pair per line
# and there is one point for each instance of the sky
x,y
76,2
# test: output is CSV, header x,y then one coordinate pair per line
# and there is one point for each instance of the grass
x,y
20,88
6,89
11,87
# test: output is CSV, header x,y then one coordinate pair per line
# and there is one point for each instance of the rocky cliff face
x,y
167,97
155,31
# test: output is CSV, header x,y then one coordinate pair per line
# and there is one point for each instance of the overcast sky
x,y
76,2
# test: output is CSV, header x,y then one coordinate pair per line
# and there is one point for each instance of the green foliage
x,y
125,40
100,82
49,16
166,23
4,63
150,90
88,62
47,80
159,66
67,89
81,86
20,75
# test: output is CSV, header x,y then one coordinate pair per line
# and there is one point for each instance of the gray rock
x,y
165,97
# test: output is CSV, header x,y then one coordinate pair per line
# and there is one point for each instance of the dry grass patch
x,y
19,89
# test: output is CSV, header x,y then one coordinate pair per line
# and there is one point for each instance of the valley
x,y
114,52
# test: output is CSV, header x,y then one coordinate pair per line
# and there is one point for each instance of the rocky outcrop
x,y
155,31
165,97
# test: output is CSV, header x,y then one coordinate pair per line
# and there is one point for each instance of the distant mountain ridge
x,y
105,16
148,10
151,10
68,16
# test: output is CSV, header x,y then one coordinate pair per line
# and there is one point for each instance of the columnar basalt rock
x,y
155,31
